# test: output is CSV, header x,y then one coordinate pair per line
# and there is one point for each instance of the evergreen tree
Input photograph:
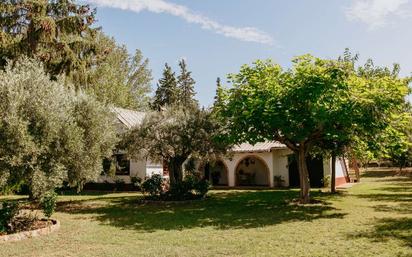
x,y
217,99
59,33
185,84
167,92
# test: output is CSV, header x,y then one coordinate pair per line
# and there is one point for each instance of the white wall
x,y
232,163
280,164
327,168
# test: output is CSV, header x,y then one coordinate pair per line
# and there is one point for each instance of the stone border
x,y
32,233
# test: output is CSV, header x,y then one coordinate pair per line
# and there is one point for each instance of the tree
x,y
395,141
175,134
49,133
316,100
119,78
185,85
59,33
167,92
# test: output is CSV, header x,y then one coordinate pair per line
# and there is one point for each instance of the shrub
x,y
326,181
8,212
119,184
137,182
153,185
192,187
202,187
48,203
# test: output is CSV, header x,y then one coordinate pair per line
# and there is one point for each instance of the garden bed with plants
x,y
157,189
18,221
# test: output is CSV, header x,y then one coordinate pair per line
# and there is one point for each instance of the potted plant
x,y
278,181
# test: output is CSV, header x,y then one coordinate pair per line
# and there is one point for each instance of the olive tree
x,y
175,134
49,133
315,101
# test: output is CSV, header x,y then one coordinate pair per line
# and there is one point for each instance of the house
x,y
266,164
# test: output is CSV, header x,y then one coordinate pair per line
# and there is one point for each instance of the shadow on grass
x,y
388,228
223,210
395,196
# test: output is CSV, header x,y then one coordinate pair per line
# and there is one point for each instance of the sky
x,y
216,37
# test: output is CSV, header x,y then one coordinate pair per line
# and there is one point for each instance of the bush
x,y
192,187
137,182
48,203
153,185
202,187
8,212
326,181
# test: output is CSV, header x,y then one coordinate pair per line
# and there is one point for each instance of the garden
x,y
370,219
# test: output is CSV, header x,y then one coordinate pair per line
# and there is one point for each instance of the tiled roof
x,y
129,118
258,147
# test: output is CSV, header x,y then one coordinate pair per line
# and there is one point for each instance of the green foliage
x,y
316,103
185,84
153,186
61,35
48,203
49,133
167,92
137,182
175,91
174,135
119,78
190,188
396,140
8,212
201,187
58,33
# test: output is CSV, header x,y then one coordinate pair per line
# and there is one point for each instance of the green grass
x,y
374,218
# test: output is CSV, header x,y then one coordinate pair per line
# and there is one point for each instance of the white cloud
x,y
375,13
249,34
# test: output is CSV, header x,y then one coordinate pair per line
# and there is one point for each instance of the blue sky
x,y
217,36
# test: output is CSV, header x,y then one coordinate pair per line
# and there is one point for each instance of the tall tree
x,y
49,133
167,92
58,32
120,78
307,104
185,84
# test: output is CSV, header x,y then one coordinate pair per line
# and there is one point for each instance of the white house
x,y
267,164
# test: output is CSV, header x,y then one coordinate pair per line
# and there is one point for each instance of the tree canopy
x,y
185,86
58,32
172,90
175,134
120,79
316,100
61,34
49,133
167,92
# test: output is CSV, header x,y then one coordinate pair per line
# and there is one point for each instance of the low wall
x,y
32,233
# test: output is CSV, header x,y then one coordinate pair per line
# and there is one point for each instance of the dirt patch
x,y
35,228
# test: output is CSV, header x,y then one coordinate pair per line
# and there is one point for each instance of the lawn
x,y
373,218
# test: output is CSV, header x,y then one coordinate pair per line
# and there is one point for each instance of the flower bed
x,y
38,228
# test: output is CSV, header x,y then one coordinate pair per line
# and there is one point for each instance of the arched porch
x,y
216,173
251,170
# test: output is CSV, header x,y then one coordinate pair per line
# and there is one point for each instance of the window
x,y
122,164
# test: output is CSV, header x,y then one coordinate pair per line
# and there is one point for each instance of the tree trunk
x,y
175,170
303,175
355,167
333,175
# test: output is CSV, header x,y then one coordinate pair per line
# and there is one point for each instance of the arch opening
x,y
252,171
216,173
